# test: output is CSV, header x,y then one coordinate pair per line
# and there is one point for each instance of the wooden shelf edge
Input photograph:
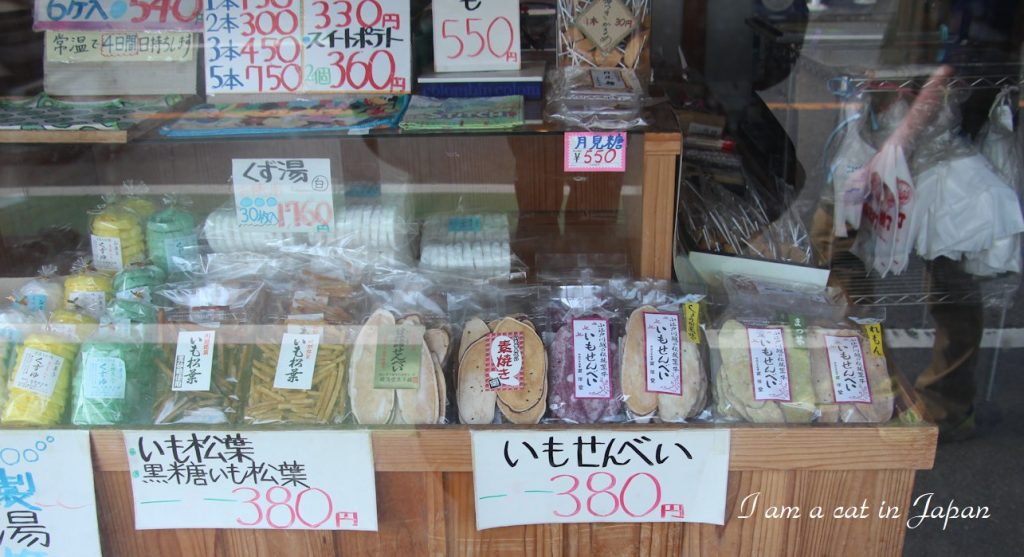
x,y
447,449
663,143
64,136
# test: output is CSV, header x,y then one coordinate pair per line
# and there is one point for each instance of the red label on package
x,y
768,364
504,367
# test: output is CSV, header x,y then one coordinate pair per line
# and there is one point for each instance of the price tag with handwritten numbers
x,y
595,151
540,477
274,480
118,15
283,195
474,35
289,46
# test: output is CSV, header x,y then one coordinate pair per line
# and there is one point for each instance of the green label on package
x,y
397,365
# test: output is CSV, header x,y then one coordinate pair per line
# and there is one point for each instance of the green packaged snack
x,y
106,383
171,239
137,283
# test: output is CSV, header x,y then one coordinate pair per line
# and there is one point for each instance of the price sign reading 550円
x,y
289,46
472,35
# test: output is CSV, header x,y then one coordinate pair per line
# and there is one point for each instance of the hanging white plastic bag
x,y
1003,257
847,172
975,208
998,142
878,246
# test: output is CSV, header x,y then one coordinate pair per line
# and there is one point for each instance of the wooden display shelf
x,y
426,501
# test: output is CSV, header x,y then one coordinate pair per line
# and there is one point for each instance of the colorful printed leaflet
x,y
300,116
427,113
44,112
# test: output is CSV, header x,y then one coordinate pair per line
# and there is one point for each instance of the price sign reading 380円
x,y
294,480
540,477
289,46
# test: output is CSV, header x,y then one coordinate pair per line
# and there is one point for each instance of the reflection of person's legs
x,y
947,385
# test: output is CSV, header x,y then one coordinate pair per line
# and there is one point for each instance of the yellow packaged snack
x,y
73,324
117,238
88,292
40,381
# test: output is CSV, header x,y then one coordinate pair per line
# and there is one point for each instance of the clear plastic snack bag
x,y
43,293
117,238
501,368
477,245
224,235
852,383
300,364
595,98
137,282
395,373
663,373
15,323
87,290
299,374
112,376
760,357
207,337
583,333
171,239
39,385
369,234
72,324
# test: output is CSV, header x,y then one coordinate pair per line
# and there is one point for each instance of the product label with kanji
x,y
591,358
193,361
768,363
296,362
280,480
38,372
104,377
662,349
106,253
397,363
595,152
504,366
849,375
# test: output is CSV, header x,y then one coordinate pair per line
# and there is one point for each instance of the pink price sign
x,y
595,152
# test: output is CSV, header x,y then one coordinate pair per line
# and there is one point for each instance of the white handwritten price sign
x,y
283,195
474,35
119,15
295,480
49,506
357,46
539,477
288,46
595,152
